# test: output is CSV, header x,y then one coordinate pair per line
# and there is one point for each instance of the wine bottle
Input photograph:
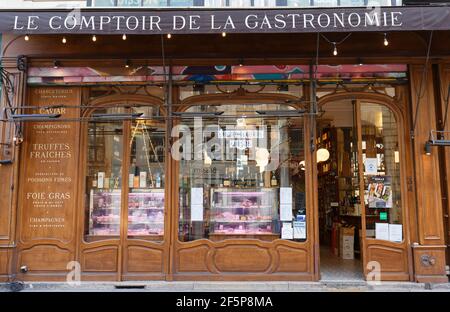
x,y
261,181
111,182
226,179
158,181
94,181
273,181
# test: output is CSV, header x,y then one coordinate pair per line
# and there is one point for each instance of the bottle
x,y
158,181
94,181
111,182
106,182
226,179
273,181
261,181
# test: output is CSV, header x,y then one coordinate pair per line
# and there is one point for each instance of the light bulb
x,y
124,37
169,36
94,38
27,38
335,50
385,42
224,34
64,40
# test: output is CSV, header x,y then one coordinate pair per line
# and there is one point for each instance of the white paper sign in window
x,y
197,204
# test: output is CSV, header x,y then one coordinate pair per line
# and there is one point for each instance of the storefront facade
x,y
223,156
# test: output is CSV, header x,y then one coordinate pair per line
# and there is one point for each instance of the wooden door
x,y
382,191
138,250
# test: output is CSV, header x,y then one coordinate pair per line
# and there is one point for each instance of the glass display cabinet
x,y
104,212
249,212
146,212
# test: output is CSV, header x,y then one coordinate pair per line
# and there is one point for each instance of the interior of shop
x,y
340,208
339,213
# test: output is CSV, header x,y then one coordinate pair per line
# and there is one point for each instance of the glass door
x,y
125,191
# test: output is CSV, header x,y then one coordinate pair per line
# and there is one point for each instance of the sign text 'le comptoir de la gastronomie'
x,y
233,21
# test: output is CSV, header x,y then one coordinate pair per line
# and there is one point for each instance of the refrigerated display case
x,y
146,212
248,212
104,212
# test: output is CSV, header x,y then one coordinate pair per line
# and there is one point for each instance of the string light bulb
x,y
127,64
27,38
94,38
224,34
124,37
385,42
335,52
169,36
64,40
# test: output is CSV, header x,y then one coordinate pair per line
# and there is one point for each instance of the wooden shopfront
x,y
243,171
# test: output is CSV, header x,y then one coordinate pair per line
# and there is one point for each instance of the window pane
x,y
381,173
104,177
241,176
104,3
146,180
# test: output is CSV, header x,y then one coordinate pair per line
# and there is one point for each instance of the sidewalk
x,y
162,286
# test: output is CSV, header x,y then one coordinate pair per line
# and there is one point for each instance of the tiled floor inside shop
x,y
333,267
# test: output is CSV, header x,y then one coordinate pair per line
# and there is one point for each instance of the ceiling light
x,y
224,34
169,36
322,154
127,64
94,38
124,37
27,38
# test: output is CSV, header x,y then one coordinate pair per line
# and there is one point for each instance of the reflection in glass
x,y
146,177
241,175
104,176
381,173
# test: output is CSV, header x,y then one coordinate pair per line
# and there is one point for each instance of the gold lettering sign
x,y
50,165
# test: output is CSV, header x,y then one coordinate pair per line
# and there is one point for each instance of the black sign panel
x,y
231,21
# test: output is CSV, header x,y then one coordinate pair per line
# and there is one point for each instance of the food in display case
x,y
146,212
104,212
247,212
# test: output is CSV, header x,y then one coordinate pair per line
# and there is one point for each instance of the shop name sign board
x,y
233,21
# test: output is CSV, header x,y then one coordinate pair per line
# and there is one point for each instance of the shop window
x,y
126,194
103,178
146,177
381,158
241,175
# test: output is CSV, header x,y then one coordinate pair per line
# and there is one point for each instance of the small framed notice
x,y
286,204
371,166
395,233
286,231
197,204
382,231
299,229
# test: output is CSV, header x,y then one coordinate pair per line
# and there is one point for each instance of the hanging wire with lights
x,y
335,43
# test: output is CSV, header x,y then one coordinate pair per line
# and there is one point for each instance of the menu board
x,y
50,166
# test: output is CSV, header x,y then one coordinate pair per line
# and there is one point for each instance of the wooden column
x,y
9,172
429,250
444,74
